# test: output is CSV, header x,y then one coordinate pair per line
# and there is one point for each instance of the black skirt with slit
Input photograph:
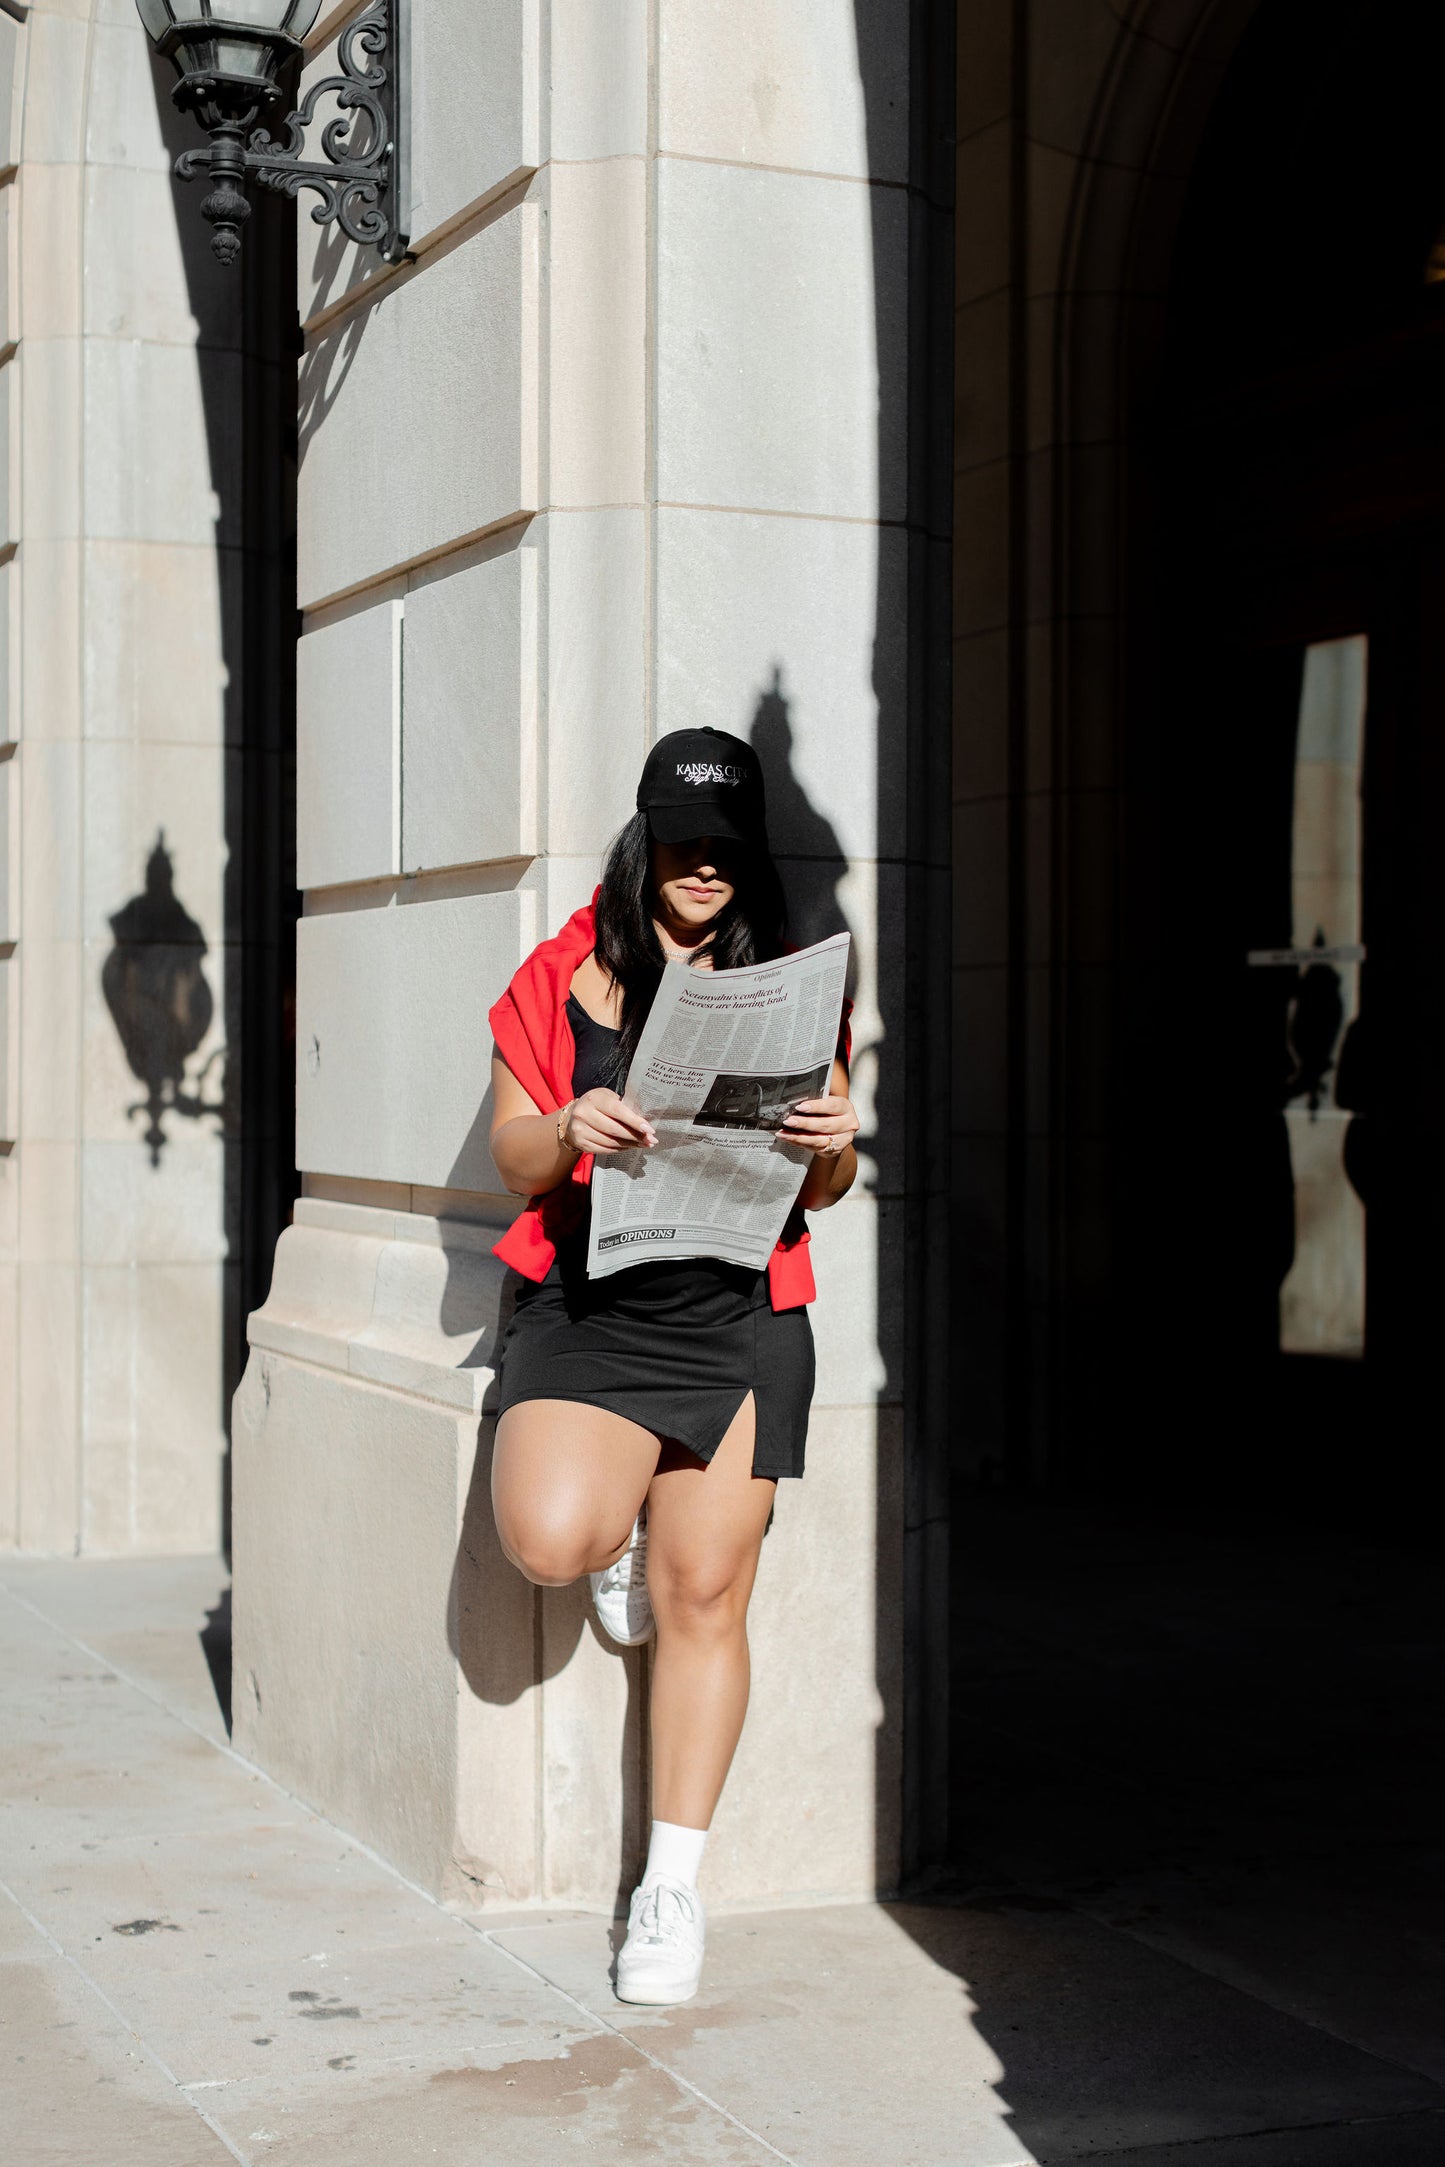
x,y
675,1347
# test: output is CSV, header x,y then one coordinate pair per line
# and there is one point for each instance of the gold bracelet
x,y
563,1118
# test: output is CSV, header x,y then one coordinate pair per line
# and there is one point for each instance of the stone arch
x,y
1078,128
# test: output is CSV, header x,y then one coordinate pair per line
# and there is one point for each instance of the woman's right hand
x,y
601,1122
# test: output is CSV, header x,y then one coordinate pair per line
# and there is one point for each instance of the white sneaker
x,y
620,1593
661,1959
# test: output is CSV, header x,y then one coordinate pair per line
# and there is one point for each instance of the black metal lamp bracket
x,y
361,183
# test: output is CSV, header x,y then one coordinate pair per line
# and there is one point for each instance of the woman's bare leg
x,y
567,1483
704,1531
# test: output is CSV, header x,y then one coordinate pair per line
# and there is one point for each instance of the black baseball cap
x,y
703,782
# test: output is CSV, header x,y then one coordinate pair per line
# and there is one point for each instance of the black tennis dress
x,y
676,1347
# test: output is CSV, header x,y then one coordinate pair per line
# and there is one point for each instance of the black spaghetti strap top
x,y
596,1049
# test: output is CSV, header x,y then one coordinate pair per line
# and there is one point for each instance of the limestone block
x,y
781,342
428,390
597,334
348,747
811,1803
55,86
48,1406
9,288
980,702
598,103
594,1813
873,901
173,1213
181,1381
980,566
50,637
596,741
49,1220
9,1341
397,1298
50,1036
476,86
473,125
123,114
9,522
562,885
9,858
164,461
857,1255
147,803
140,281
1072,50
148,600
9,705
981,236
984,68
346,1517
9,1045
980,861
980,1064
817,85
50,200
50,993
793,634
50,466
433,1326
11,76
469,742
393,1044
108,1406
496,1612
50,821
323,1288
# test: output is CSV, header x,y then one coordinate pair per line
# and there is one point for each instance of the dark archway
x,y
1294,436
1194,1626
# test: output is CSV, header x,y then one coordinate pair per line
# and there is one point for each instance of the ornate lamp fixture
x,y
230,56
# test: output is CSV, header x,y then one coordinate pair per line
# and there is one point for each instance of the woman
x,y
646,1418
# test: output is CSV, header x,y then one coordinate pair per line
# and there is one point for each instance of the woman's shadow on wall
x,y
508,1636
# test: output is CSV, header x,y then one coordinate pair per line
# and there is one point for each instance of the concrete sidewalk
x,y
194,1968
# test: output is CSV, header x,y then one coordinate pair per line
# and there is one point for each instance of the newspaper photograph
x,y
723,1058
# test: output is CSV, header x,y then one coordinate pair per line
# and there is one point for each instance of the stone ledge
x,y
414,1306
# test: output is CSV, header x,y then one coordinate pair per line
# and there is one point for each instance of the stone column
x,y
119,363
607,458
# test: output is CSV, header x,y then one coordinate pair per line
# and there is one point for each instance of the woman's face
x,y
692,881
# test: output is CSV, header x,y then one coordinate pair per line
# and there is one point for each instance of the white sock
x,y
675,1853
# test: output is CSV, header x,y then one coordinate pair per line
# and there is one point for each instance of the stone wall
x,y
119,360
624,448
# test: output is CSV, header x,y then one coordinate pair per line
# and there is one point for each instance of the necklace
x,y
673,955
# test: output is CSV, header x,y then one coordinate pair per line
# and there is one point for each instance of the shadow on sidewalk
x,y
215,1639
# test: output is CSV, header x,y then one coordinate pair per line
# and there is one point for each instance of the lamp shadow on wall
x,y
160,1002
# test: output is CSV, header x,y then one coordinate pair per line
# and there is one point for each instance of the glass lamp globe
x,y
228,53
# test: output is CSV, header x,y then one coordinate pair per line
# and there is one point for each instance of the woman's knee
x,y
550,1552
705,1598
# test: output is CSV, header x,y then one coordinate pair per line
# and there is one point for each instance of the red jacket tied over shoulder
x,y
534,1038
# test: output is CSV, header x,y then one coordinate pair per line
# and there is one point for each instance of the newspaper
x,y
723,1058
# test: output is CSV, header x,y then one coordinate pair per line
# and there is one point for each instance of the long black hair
x,y
750,929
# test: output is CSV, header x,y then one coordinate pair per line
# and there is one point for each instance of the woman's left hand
x,y
825,1126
